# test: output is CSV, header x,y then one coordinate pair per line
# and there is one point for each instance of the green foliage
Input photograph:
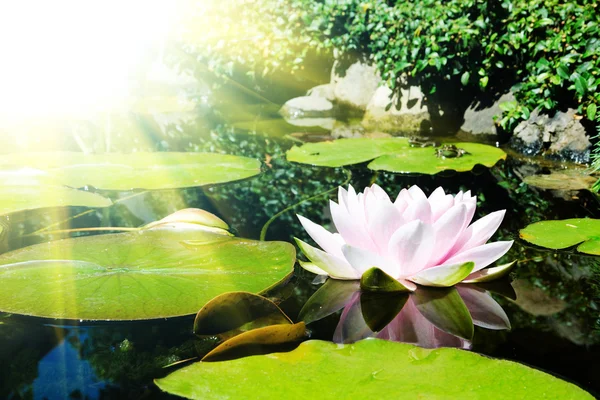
x,y
549,49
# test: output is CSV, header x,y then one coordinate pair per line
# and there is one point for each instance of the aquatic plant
x,y
415,239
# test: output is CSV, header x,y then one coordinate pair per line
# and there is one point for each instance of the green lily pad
x,y
565,233
137,275
370,368
15,198
394,155
115,171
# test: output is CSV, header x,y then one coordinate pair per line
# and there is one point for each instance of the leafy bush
x,y
549,48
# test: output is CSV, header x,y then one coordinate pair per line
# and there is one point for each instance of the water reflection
x,y
428,317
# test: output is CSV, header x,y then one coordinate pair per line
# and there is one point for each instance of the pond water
x,y
551,297
554,318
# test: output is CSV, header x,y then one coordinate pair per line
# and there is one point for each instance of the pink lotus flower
x,y
415,239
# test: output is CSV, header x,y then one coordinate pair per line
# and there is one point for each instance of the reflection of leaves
x,y
379,309
446,310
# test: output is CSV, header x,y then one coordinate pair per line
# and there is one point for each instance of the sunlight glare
x,y
73,58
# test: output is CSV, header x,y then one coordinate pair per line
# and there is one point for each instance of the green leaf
x,y
561,234
15,197
562,71
483,81
446,310
113,171
591,112
464,79
137,275
394,155
375,280
508,105
371,368
580,85
238,312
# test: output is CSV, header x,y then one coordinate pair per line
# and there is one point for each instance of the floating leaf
x,y
371,368
114,171
446,310
394,155
258,341
375,280
15,198
563,180
137,275
239,311
565,233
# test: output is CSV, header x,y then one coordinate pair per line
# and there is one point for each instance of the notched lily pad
x,y
370,368
561,234
137,275
394,155
115,171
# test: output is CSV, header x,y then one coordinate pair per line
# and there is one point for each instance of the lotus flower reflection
x,y
415,239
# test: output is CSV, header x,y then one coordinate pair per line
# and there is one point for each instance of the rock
x,y
326,91
356,88
563,136
345,130
411,117
307,107
480,120
325,123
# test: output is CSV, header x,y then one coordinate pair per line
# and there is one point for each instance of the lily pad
x,y
565,233
115,171
367,369
137,275
563,180
15,198
258,341
394,155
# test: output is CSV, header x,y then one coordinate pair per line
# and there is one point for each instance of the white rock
x,y
307,107
357,86
406,115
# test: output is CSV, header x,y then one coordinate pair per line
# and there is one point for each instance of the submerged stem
x,y
263,231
